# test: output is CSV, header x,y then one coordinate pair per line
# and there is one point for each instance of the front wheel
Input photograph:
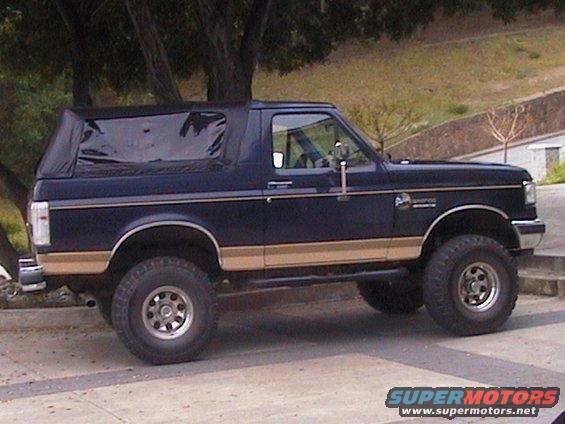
x,y
470,285
164,310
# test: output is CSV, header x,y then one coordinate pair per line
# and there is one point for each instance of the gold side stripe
x,y
275,196
498,187
62,263
155,203
248,258
325,252
243,258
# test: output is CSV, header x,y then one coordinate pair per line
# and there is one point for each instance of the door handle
x,y
278,184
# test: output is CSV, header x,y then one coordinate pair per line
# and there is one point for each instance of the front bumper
x,y
30,276
529,233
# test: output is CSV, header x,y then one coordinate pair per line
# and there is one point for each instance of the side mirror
x,y
341,151
278,160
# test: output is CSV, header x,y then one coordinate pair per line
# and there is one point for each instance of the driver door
x,y
308,222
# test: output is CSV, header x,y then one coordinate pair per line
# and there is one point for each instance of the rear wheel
x,y
165,311
470,285
390,298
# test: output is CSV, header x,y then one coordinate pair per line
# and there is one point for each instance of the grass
x,y
13,224
477,73
556,176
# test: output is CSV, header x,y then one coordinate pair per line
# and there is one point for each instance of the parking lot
x,y
322,362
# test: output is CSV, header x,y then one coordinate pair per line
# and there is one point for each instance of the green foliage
x,y
34,40
457,108
27,112
534,55
556,176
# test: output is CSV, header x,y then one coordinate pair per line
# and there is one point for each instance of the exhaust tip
x,y
91,303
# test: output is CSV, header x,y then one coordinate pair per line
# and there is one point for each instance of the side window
x,y
308,140
158,138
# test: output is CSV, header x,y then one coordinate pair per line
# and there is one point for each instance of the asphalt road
x,y
317,363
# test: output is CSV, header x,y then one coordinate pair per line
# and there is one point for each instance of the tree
x,y
507,124
385,122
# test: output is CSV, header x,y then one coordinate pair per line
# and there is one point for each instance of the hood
x,y
447,173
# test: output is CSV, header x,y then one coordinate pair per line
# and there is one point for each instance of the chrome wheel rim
x,y
168,312
479,287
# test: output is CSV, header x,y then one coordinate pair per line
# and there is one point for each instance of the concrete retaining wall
x,y
468,135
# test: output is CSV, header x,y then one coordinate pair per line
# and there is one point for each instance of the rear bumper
x,y
30,276
529,233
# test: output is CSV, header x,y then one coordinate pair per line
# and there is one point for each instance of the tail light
x,y
39,220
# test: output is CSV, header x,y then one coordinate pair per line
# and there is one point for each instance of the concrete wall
x,y
468,135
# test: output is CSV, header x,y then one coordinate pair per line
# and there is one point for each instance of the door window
x,y
307,141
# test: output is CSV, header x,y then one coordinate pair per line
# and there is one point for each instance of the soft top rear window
x,y
146,139
130,141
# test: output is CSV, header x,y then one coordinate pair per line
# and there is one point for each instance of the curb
x,y
82,316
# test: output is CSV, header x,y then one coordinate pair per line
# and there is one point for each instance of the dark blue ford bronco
x,y
149,209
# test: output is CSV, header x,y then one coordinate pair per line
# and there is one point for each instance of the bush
x,y
12,223
458,108
556,176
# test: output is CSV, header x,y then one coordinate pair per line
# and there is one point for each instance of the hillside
x,y
457,67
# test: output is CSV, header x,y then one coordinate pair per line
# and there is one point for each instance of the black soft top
x,y
60,156
147,110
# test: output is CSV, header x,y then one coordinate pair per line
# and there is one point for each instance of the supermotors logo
x,y
451,402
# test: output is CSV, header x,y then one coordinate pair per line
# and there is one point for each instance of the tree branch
x,y
159,73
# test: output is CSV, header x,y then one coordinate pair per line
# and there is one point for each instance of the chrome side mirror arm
x,y
343,196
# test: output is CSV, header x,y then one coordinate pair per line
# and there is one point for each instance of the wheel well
x,y
482,222
168,240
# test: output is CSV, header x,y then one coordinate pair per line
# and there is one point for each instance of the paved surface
x,y
551,208
326,363
519,155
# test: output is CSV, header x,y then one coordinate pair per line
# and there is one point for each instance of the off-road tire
x,y
390,298
441,285
134,289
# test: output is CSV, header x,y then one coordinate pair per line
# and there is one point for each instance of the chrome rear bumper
x,y
30,276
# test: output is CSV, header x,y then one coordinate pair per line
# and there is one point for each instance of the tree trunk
x,y
8,255
230,67
81,73
227,82
18,193
159,73
78,28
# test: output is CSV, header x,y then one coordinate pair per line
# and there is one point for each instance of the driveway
x,y
551,208
316,363
520,154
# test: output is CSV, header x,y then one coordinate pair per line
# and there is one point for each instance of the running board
x,y
382,275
